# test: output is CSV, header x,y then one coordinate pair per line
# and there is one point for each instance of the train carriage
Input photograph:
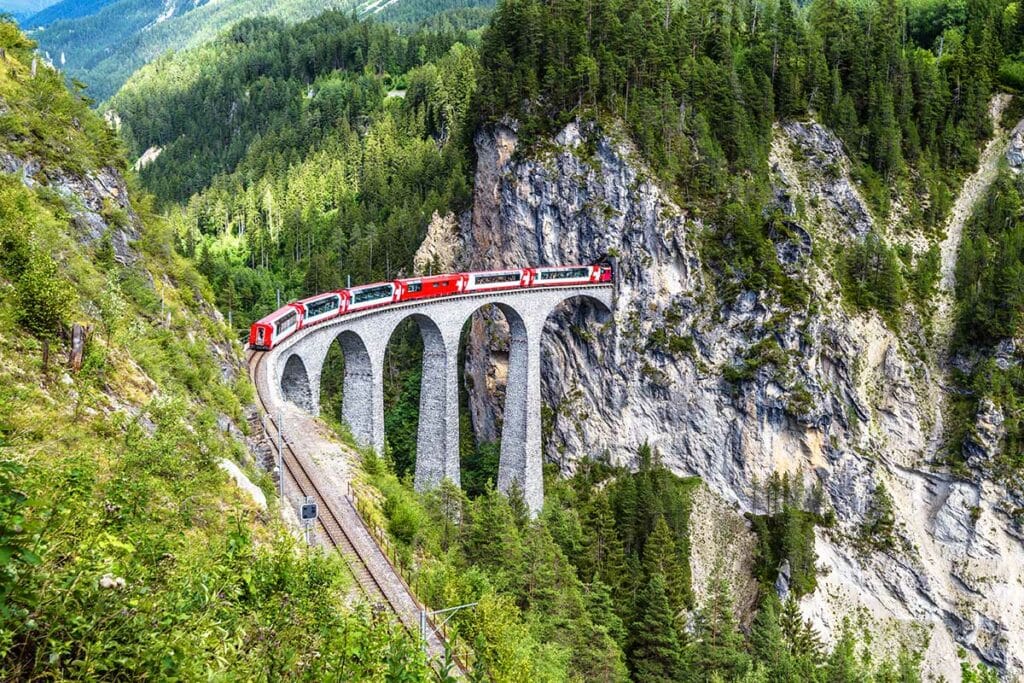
x,y
317,309
572,275
411,289
371,296
267,332
279,325
498,279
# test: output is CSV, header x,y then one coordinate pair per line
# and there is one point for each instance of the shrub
x,y
45,296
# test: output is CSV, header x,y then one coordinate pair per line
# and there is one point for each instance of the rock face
x,y
832,399
97,202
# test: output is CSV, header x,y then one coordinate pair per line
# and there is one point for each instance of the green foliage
x,y
105,46
17,543
878,529
786,533
871,275
718,645
45,298
322,177
125,554
42,119
990,268
699,87
654,647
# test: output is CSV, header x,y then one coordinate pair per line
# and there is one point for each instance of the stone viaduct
x,y
295,366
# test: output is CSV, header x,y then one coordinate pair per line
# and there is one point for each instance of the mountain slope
x,y
105,47
65,9
103,41
23,9
127,553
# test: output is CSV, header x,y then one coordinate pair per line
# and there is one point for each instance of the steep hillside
x,y
779,296
102,43
23,9
65,9
104,47
127,552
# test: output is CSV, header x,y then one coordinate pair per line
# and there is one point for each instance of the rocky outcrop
x,y
737,390
440,246
97,202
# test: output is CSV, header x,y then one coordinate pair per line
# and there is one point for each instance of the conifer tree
x,y
603,554
661,557
654,644
717,644
601,606
768,645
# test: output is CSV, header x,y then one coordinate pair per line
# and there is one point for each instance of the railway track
x,y
327,521
332,527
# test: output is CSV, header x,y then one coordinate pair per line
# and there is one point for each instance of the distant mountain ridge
x,y
22,9
102,42
104,47
65,9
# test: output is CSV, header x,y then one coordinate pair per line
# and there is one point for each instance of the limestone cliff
x,y
834,398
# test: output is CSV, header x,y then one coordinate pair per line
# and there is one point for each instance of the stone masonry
x,y
296,365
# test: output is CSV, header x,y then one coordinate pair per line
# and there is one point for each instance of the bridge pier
x,y
437,442
521,462
360,379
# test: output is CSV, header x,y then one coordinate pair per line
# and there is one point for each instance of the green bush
x,y
45,296
1011,74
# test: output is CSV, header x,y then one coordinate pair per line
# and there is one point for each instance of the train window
x,y
494,278
440,284
371,294
260,332
415,286
286,323
321,306
565,274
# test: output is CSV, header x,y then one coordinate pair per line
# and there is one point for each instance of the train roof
x,y
373,284
284,310
317,297
431,278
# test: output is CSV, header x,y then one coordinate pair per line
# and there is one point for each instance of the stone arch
x,y
519,460
437,438
572,347
295,385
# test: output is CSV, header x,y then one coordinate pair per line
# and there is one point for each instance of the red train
x,y
269,331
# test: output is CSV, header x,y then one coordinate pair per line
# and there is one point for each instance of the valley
x,y
789,446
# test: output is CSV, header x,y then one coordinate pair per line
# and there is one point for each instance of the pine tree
x,y
768,644
654,645
717,642
661,557
601,607
602,554
843,665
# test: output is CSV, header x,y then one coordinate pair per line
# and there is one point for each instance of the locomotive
x,y
297,315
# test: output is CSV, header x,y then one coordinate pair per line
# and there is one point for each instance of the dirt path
x,y
974,188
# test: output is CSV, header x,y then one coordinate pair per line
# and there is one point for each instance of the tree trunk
x,y
79,334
